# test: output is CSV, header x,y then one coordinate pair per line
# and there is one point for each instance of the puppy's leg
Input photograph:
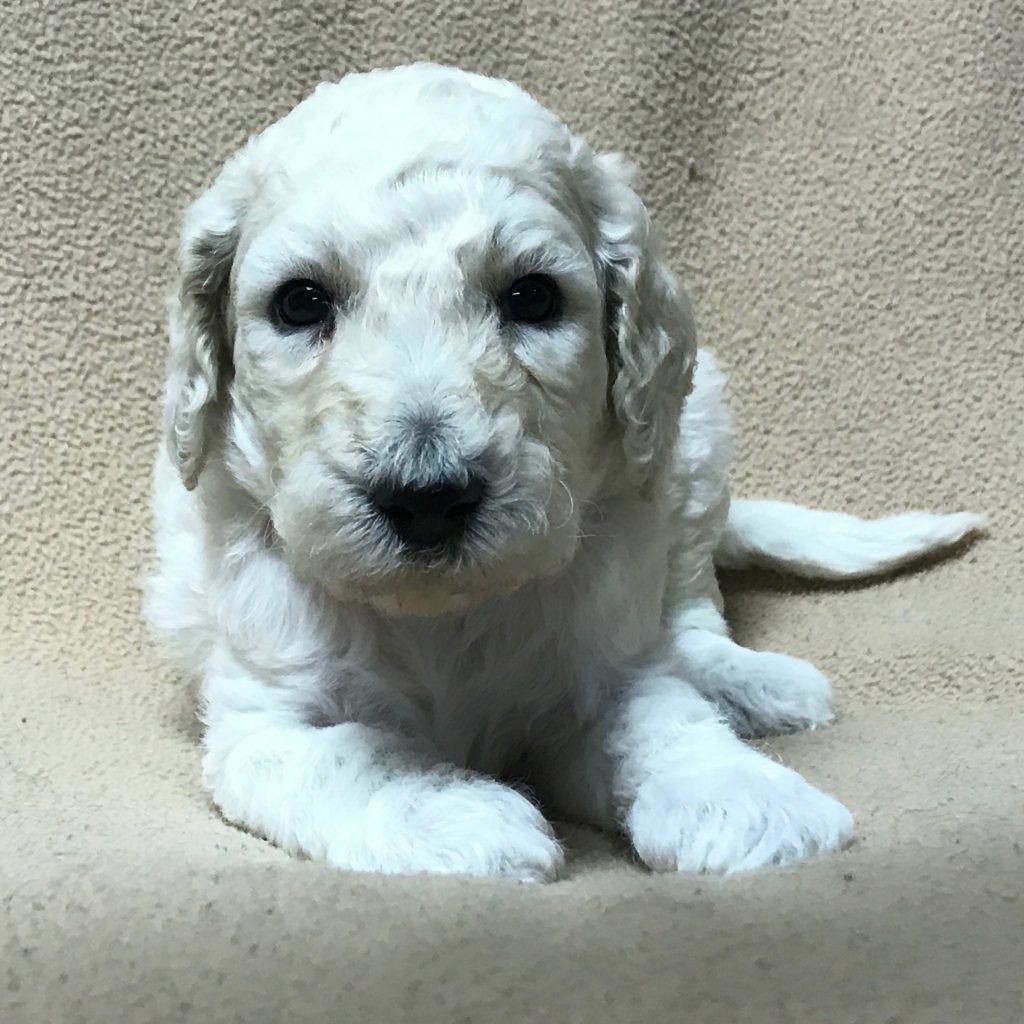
x,y
360,797
757,691
691,796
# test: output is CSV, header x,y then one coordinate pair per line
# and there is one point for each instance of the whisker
x,y
572,505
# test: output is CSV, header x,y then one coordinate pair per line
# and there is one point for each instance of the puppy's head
x,y
424,328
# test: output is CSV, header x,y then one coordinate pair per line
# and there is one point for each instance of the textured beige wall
x,y
840,186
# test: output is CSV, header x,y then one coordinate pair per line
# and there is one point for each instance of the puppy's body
x,y
362,700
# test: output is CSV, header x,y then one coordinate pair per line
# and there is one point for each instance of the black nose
x,y
430,514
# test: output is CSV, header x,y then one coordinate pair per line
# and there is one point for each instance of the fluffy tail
x,y
832,545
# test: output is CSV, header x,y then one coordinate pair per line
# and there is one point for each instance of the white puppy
x,y
432,513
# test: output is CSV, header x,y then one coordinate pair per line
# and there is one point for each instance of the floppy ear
x,y
200,364
651,338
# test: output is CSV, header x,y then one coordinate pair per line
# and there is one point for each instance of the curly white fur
x,y
361,705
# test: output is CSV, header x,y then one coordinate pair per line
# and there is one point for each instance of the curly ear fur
x,y
651,338
200,364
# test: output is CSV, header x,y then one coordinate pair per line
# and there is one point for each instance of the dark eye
x,y
533,299
302,304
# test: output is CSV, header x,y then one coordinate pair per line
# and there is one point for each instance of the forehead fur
x,y
384,125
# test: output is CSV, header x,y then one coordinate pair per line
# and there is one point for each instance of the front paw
x,y
779,693
736,818
451,826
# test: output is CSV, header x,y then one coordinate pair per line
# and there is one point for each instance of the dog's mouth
x,y
432,591
421,543
435,568
452,574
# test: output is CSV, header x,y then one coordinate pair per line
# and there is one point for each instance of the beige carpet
x,y
840,184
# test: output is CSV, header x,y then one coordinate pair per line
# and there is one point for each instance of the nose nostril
x,y
428,515
467,500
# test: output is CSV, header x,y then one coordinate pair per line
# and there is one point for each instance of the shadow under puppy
x,y
442,494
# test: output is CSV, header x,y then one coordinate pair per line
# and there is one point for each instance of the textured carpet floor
x,y
840,186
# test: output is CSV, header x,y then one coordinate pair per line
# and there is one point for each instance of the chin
x,y
427,592
427,596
